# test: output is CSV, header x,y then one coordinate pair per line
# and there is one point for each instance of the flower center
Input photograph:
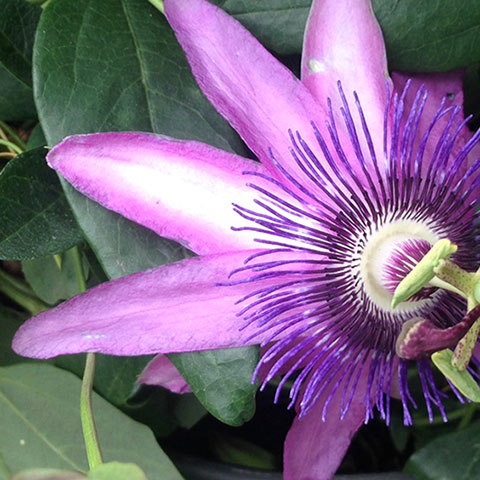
x,y
389,255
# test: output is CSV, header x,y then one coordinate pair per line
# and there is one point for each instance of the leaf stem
x,y
19,293
92,445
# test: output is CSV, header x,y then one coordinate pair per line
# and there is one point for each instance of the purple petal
x,y
181,190
258,95
343,41
445,86
162,372
314,449
174,308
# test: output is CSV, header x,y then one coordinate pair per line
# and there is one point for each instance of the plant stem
x,y
19,293
8,154
17,283
78,268
94,455
11,132
90,436
11,146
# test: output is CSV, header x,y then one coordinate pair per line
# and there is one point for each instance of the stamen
x,y
357,225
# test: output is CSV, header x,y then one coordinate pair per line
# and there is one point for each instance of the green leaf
x,y
116,471
16,99
17,29
454,456
108,65
121,246
36,138
221,380
278,24
85,88
462,379
48,474
132,76
420,36
35,219
39,411
10,321
50,281
430,36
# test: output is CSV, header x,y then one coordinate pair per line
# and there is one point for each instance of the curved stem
x,y
11,132
11,146
90,436
20,293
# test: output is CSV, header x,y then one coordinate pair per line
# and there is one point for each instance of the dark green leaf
x,y
18,22
116,471
35,219
454,456
221,380
40,421
108,65
430,36
131,76
420,36
37,138
278,24
16,99
115,377
10,321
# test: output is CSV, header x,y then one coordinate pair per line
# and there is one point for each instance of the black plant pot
x,y
194,468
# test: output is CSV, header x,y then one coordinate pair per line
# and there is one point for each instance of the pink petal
x,y
314,449
181,190
258,95
343,41
162,372
173,308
